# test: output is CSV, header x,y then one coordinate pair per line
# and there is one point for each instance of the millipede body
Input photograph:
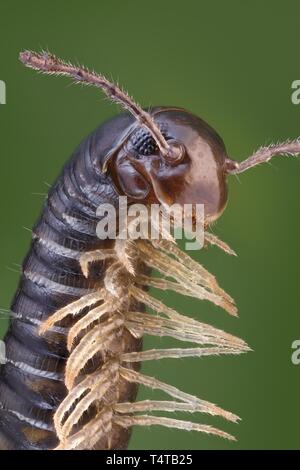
x,y
74,344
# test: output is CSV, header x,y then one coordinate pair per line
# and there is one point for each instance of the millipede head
x,y
170,156
196,176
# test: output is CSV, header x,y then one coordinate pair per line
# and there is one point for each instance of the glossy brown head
x,y
194,174
169,156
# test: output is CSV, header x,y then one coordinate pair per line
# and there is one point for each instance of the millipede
x,y
83,305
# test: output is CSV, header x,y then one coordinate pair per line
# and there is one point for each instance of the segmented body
x,y
74,385
32,380
78,318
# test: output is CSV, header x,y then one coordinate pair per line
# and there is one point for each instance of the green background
x,y
232,63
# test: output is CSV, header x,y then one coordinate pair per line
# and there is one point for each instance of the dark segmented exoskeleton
x,y
78,318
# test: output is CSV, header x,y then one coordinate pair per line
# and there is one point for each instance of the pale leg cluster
x,y
103,330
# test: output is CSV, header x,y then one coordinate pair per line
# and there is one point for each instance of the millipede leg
x,y
174,392
145,420
73,309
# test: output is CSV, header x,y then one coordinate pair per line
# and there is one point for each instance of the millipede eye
x,y
143,142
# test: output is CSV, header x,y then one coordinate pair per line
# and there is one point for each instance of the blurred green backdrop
x,y
232,63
